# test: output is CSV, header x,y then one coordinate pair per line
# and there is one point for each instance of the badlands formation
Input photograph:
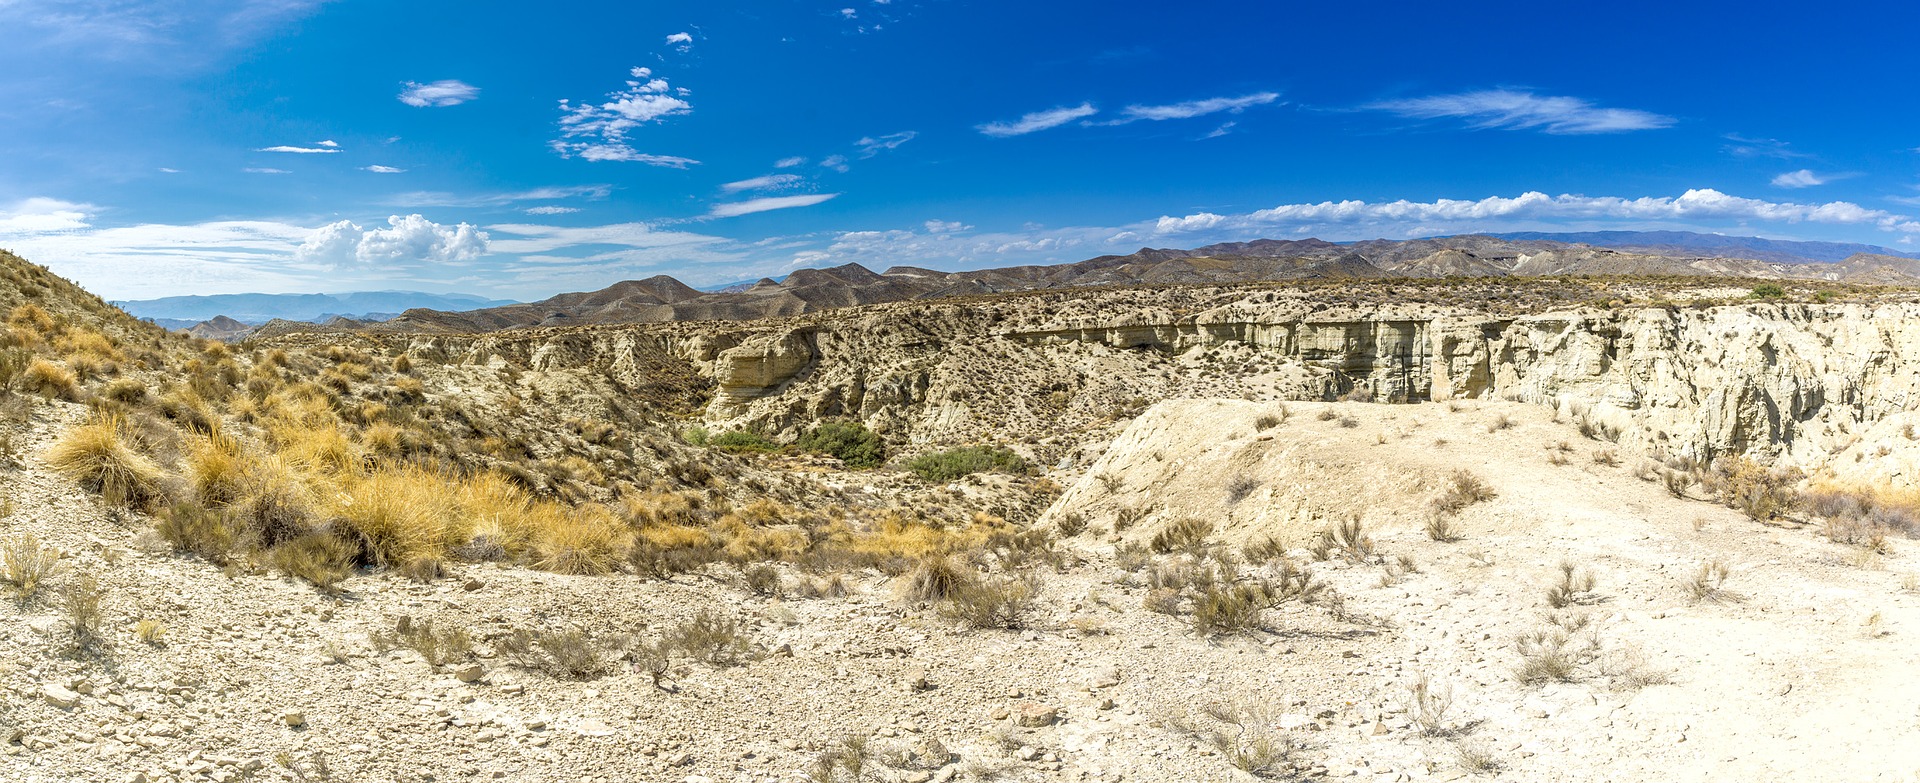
x,y
1553,529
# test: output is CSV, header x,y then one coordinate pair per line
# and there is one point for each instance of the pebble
x,y
59,696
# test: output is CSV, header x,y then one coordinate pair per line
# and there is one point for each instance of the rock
x,y
680,759
1027,753
59,696
294,718
999,713
472,585
470,673
916,681
1034,714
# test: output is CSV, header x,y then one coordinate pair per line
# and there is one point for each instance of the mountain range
x,y
179,312
662,298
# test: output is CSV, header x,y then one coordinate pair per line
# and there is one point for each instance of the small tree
x,y
849,441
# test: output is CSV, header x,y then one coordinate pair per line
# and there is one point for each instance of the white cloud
x,y
768,182
750,206
787,163
379,169
870,146
1743,147
1694,205
1224,129
528,238
598,131
165,170
266,171
946,227
848,13
681,42
424,198
835,162
408,238
44,216
550,210
446,92
1181,111
1038,121
327,143
1518,110
301,150
1804,178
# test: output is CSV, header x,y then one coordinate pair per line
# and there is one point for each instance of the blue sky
x,y
221,146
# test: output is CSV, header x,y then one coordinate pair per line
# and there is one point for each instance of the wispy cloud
x,y
379,169
1520,110
748,207
1699,204
1804,178
551,210
263,170
835,162
870,146
598,131
1038,121
423,198
328,150
787,163
1742,147
768,182
446,92
1189,109
44,215
1224,129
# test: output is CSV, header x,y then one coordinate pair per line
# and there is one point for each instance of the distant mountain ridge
x,y
261,308
661,298
1782,251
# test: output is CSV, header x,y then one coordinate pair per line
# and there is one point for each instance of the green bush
x,y
849,441
741,441
943,466
1768,291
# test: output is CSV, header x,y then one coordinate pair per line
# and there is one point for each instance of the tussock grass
x,y
97,455
49,380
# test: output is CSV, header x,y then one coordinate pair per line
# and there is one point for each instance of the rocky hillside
x,y
663,299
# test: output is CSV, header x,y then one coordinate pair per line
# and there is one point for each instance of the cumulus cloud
x,y
870,146
1699,204
1519,110
598,131
379,169
768,182
1189,109
750,206
302,150
405,239
327,143
43,216
446,92
1037,121
681,42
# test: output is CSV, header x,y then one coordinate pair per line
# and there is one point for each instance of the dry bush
x,y
1263,550
1676,482
1267,421
321,559
1574,588
1760,492
1328,414
1239,487
1247,734
1463,489
80,604
763,580
198,531
25,564
150,631
1238,603
1344,538
1709,583
1499,423
582,540
1606,457
938,578
96,454
990,603
713,637
568,653
216,472
1185,535
439,642
125,391
1440,527
1554,653
49,380
1427,705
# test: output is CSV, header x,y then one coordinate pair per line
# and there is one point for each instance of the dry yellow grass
x,y
216,471
587,539
96,454
50,380
401,515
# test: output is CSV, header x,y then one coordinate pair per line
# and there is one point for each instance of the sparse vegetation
x,y
944,466
97,455
439,642
1709,583
25,564
848,441
86,620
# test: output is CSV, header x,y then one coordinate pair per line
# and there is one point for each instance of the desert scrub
x,y
1185,535
49,380
97,455
1000,602
848,441
439,642
943,466
1346,539
25,564
1463,489
86,621
568,653
1757,491
713,637
320,559
742,442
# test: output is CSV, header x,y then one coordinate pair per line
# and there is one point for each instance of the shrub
x,y
126,391
439,643
569,653
25,564
1186,535
943,466
849,441
399,516
1757,491
215,473
80,601
1575,587
742,442
1239,487
990,603
1767,291
1345,538
763,580
713,637
1463,489
96,455
199,531
1709,583
1427,705
321,559
50,380
938,578
1440,528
